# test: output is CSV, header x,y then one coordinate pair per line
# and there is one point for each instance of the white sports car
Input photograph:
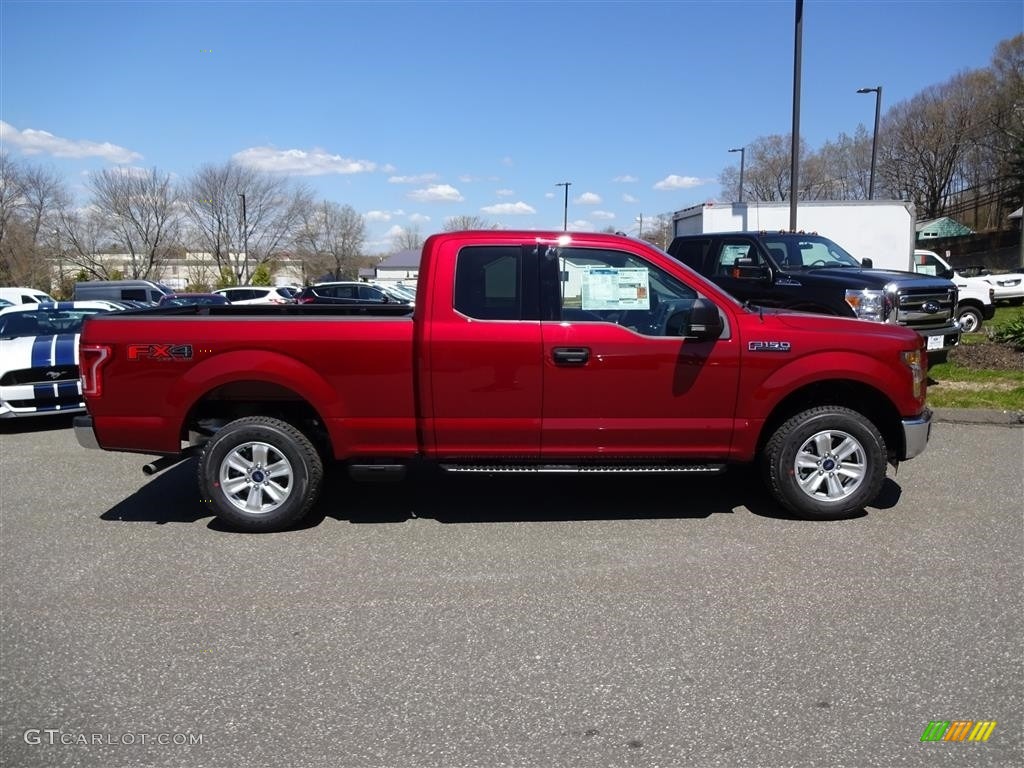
x,y
39,357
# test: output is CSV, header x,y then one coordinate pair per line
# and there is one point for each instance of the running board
x,y
713,469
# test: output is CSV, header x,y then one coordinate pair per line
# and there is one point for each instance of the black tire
x,y
233,474
970,319
838,453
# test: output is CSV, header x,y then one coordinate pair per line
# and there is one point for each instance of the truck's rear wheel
x,y
825,463
261,474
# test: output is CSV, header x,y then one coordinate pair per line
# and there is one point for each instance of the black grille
x,y
923,309
42,375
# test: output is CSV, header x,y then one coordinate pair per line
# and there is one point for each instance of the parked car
x,y
348,293
188,299
24,295
39,357
120,290
257,294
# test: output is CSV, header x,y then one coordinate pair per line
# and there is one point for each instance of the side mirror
x,y
705,322
384,298
747,269
867,263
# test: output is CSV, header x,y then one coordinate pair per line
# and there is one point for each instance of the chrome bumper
x,y
84,433
916,432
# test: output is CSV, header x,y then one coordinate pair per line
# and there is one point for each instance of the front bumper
x,y
84,433
916,432
940,339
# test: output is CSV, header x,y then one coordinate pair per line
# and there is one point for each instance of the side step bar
x,y
587,468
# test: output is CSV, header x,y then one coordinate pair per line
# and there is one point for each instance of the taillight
x,y
90,358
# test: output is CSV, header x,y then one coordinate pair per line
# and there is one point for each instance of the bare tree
x,y
407,238
84,238
330,238
213,200
459,223
140,210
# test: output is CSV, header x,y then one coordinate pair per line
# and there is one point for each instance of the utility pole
x,y
565,213
245,236
794,173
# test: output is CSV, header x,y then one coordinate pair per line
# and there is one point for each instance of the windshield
x,y
43,322
807,252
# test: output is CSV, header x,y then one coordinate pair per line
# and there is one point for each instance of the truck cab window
x,y
730,251
488,282
617,287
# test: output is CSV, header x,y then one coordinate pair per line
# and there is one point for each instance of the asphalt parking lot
x,y
596,621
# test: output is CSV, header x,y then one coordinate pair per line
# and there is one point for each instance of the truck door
x,y
484,364
619,380
727,256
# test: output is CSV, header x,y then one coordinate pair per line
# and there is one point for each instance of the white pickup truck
x,y
977,294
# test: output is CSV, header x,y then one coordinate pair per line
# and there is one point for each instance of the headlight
x,y
915,362
871,305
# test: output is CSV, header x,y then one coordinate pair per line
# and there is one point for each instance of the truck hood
x,y
853,277
838,327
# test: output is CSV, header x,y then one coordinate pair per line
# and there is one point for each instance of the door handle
x,y
570,355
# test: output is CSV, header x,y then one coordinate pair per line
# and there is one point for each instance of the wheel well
x,y
239,399
972,303
854,395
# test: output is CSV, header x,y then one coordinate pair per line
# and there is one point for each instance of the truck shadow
x,y
173,497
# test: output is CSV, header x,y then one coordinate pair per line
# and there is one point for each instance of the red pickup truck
x,y
526,351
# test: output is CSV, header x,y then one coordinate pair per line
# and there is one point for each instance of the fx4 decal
x,y
768,346
159,351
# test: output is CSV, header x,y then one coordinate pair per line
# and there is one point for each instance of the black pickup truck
x,y
809,272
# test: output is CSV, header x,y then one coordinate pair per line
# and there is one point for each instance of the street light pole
x,y
874,138
743,153
565,211
245,233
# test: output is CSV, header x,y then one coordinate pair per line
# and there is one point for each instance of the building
x,y
401,267
942,227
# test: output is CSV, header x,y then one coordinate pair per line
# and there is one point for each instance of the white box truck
x,y
879,230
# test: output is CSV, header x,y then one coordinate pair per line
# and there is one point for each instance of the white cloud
x,y
627,179
603,215
33,142
439,193
505,209
315,162
588,198
549,195
419,218
628,199
507,161
504,193
394,232
679,182
423,178
580,225
377,216
388,168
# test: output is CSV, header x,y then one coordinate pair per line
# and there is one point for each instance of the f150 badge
x,y
159,351
768,346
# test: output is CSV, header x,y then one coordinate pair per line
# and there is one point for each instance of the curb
x,y
978,416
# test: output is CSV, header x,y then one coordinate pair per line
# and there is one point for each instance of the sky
x,y
414,112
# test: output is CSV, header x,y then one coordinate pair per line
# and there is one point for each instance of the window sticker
x,y
612,288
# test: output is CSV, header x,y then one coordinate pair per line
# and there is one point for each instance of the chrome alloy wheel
x,y
830,465
256,477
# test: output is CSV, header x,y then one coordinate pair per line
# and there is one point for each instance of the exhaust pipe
x,y
164,462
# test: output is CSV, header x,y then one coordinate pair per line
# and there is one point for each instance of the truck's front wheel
x,y
260,474
825,463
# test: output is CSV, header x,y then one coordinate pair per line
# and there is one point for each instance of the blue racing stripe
x,y
68,388
44,393
42,351
65,352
